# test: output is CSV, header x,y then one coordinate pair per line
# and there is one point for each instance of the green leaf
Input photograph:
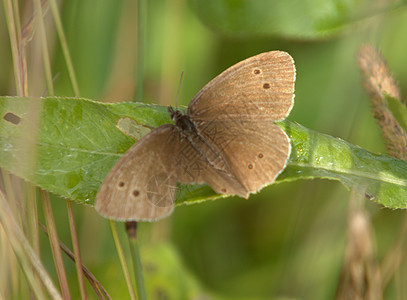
x,y
316,155
76,141
289,18
73,143
398,110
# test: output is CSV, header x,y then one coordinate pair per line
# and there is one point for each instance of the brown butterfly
x,y
226,139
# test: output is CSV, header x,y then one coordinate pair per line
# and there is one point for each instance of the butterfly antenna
x,y
179,88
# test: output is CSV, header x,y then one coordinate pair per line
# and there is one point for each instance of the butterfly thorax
x,y
183,122
189,131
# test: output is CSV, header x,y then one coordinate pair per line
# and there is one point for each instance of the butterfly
x,y
227,139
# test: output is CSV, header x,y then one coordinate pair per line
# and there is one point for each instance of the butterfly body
x,y
188,130
227,139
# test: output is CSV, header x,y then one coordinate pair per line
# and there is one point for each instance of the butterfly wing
x,y
255,152
141,185
258,88
235,113
192,167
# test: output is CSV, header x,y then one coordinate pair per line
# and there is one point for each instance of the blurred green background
x,y
285,242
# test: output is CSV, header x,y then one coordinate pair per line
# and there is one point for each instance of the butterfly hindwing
x,y
255,152
193,167
141,185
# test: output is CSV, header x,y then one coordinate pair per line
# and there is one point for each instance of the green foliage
x,y
162,262
290,18
287,241
316,155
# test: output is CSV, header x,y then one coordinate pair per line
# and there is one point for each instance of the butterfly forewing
x,y
141,185
258,88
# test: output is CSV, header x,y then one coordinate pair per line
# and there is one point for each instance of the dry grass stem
x,y
379,82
